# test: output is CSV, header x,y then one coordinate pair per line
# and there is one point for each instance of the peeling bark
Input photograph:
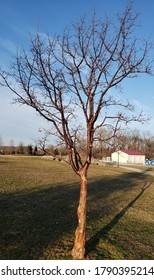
x,y
78,251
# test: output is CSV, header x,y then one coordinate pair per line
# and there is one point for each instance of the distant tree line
x,y
38,149
124,140
103,145
20,149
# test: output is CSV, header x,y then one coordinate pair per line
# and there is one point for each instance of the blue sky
x,y
18,18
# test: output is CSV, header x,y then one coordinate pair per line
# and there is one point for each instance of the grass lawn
x,y
141,167
38,203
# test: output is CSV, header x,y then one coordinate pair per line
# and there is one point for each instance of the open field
x,y
141,167
38,202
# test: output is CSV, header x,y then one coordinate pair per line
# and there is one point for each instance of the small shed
x,y
128,157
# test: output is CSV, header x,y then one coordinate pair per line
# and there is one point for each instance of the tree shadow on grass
x,y
33,220
95,239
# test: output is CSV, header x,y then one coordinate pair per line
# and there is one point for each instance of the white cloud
x,y
8,45
19,123
152,96
139,106
18,30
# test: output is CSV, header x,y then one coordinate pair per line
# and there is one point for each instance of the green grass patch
x,y
38,203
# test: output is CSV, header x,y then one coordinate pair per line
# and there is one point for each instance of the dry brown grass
x,y
38,202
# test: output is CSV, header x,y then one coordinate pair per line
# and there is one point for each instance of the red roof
x,y
132,152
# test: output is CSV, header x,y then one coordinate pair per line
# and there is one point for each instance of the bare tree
x,y
1,145
1,141
68,79
11,148
148,144
105,137
42,142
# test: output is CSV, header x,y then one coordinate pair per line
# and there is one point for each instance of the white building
x,y
128,157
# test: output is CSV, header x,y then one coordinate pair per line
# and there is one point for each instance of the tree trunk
x,y
78,251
